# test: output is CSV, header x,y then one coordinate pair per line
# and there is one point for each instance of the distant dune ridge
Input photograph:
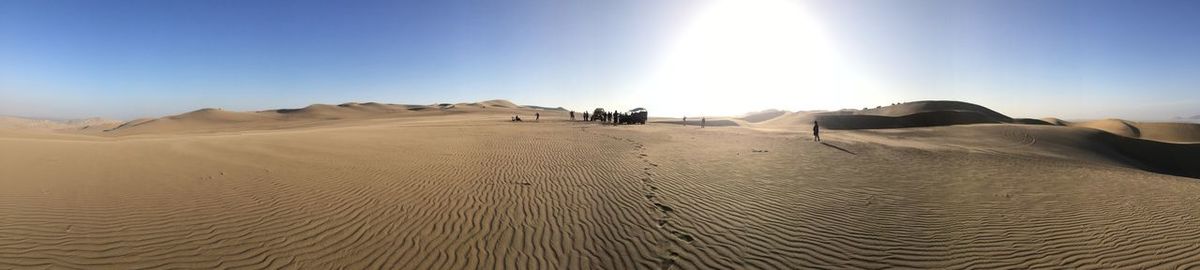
x,y
21,123
214,119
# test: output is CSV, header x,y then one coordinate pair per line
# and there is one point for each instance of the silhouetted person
x,y
816,131
537,116
702,119
516,118
685,121
572,115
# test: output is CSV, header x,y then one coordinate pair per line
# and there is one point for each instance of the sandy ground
x,y
474,191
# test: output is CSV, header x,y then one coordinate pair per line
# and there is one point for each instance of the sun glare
x,y
737,56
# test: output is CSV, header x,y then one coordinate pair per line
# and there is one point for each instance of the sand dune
x,y
760,116
1054,121
947,113
202,120
928,106
1167,132
458,186
1085,144
911,114
789,120
1031,121
920,119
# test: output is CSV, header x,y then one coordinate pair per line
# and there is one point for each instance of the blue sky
x,y
130,59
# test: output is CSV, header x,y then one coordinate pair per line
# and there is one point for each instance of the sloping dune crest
x,y
500,103
760,116
1155,156
1179,159
207,119
1166,132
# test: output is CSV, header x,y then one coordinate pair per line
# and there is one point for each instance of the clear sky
x,y
1072,59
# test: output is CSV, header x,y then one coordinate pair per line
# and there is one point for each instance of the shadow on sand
x,y
838,148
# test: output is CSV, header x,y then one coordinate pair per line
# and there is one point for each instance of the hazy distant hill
x,y
16,122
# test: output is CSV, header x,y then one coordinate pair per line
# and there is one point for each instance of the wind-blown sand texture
x,y
458,186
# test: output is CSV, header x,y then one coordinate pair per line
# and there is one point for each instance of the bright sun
x,y
737,56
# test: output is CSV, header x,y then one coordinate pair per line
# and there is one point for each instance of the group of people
x,y
610,117
585,116
615,118
607,117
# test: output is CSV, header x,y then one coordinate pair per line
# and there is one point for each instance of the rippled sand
x,y
469,191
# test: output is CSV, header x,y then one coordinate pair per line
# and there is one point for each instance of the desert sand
x,y
457,186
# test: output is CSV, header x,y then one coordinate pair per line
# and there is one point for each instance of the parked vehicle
x,y
598,114
635,116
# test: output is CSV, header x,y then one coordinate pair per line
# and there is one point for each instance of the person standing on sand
x,y
816,131
537,116
685,121
702,122
572,115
